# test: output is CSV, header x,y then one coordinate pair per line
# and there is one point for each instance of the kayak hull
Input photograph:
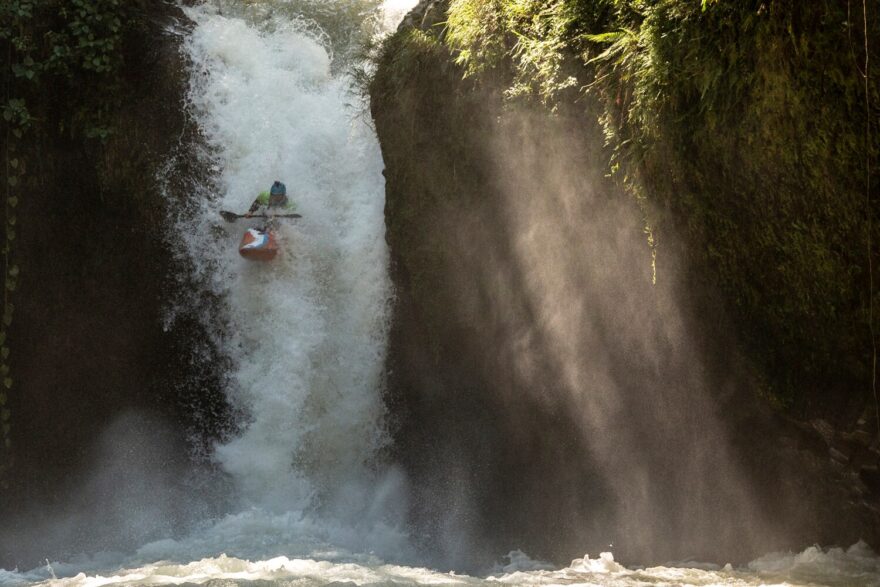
x,y
258,245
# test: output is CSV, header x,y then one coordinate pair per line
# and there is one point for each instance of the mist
x,y
575,405
136,485
585,331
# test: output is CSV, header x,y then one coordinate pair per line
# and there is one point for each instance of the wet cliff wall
x,y
571,365
752,129
93,109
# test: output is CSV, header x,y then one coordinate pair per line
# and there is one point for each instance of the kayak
x,y
258,245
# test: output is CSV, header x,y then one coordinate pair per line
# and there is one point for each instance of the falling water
x,y
305,334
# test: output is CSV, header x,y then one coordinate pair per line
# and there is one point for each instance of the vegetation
x,y
748,128
61,82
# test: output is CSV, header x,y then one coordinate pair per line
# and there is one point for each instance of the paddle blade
x,y
229,216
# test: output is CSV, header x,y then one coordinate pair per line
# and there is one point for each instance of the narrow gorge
x,y
581,292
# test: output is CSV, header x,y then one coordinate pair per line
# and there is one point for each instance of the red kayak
x,y
258,245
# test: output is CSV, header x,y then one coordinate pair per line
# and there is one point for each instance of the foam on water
x,y
853,567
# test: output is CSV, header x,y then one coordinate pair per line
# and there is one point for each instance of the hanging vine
x,y
74,47
866,75
16,121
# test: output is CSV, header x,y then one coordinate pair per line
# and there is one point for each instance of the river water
x,y
311,498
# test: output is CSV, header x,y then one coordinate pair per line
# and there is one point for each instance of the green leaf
x,y
8,382
609,37
12,201
13,180
13,271
10,235
12,220
13,162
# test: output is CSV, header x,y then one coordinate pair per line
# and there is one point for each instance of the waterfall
x,y
305,335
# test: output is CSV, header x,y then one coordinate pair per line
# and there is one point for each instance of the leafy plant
x,y
74,48
743,126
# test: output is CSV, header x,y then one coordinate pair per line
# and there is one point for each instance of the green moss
x,y
740,126
756,113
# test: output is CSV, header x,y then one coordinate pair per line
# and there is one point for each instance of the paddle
x,y
232,216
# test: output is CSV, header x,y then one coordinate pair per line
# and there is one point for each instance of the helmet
x,y
278,189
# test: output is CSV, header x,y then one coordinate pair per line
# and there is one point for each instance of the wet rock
x,y
435,15
825,430
433,128
416,16
838,455
859,436
870,476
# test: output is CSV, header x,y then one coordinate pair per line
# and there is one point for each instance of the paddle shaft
x,y
232,216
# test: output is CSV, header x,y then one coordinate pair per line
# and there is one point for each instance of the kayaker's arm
x,y
261,200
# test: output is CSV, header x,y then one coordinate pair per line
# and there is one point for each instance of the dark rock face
x,y
90,353
426,14
547,396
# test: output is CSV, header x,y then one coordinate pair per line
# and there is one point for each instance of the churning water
x,y
837,567
313,502
305,335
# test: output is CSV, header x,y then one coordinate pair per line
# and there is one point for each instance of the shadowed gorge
x,y
562,292
87,343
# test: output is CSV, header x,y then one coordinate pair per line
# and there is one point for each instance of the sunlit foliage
x,y
743,127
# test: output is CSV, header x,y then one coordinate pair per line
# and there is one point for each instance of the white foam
x,y
308,329
281,570
857,564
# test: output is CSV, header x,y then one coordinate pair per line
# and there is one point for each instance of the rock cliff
x,y
561,380
95,368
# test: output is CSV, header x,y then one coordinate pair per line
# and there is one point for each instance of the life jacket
x,y
277,200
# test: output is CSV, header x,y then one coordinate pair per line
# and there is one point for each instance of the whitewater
x,y
311,497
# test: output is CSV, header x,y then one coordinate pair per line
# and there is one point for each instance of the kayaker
x,y
275,200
